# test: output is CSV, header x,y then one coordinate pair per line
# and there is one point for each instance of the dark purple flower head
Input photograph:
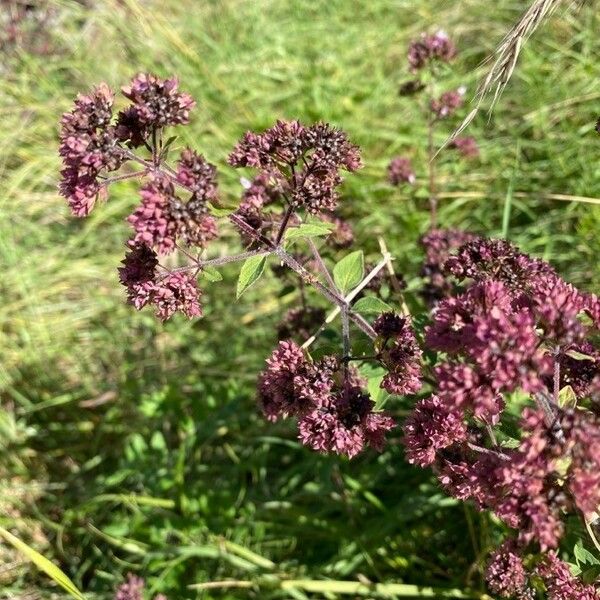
x,y
430,428
389,324
486,259
334,414
152,220
400,171
331,148
455,319
438,244
177,292
506,345
505,573
194,227
157,102
464,388
560,582
90,112
429,48
582,432
130,129
448,103
138,274
276,392
282,143
197,175
317,153
82,191
557,306
345,424
399,353
466,146
263,190
529,501
317,190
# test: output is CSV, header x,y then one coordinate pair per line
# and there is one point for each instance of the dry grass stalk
x,y
506,55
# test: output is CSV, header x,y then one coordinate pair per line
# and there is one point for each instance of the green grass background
x,y
101,404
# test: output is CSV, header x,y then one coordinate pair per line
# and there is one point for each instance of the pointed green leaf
x,y
307,230
567,397
583,556
211,274
371,304
42,563
220,211
251,270
348,273
579,355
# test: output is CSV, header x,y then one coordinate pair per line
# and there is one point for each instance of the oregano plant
x,y
504,333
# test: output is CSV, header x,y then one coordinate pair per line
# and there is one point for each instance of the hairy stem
x,y
284,223
109,180
221,260
321,263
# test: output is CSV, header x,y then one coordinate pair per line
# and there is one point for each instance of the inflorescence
x,y
518,328
506,330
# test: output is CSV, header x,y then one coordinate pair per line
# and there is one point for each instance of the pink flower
x,y
400,171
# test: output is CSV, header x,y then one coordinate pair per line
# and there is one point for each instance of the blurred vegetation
x,y
130,446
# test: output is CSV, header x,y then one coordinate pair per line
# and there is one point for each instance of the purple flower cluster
x,y
342,234
156,103
334,413
88,147
448,103
91,145
400,171
133,589
508,577
176,291
438,245
466,146
162,218
517,327
399,353
560,582
429,48
506,574
307,158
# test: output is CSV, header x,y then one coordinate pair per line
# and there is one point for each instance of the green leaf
x,y
377,393
251,270
211,274
42,563
220,211
348,273
579,355
567,397
371,304
307,230
167,146
583,556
